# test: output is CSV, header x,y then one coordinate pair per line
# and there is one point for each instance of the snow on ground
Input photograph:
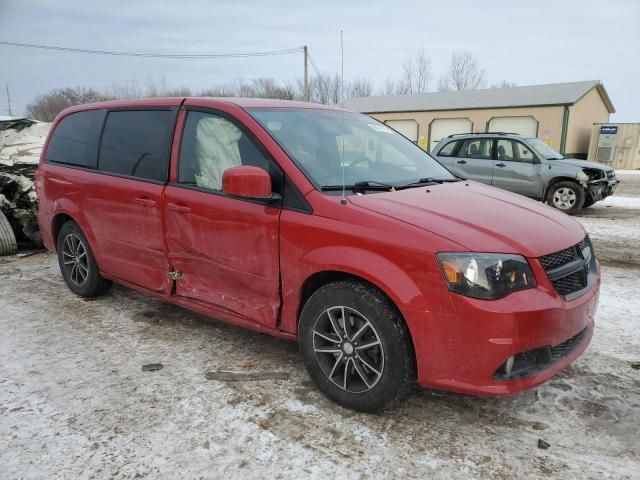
x,y
74,402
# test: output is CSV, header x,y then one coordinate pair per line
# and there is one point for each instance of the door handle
x,y
500,165
462,161
176,207
145,201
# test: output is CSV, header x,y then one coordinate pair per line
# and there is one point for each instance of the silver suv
x,y
527,166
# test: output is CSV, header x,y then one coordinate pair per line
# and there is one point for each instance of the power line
x,y
153,55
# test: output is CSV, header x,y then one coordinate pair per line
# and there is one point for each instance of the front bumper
x,y
601,189
466,350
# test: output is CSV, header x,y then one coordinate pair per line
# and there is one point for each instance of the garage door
x,y
408,128
443,127
527,126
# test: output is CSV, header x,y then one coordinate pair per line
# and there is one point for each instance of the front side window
x,y
476,148
504,151
327,144
525,154
136,143
75,139
448,149
210,145
544,150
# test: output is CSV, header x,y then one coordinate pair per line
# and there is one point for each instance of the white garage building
x,y
561,114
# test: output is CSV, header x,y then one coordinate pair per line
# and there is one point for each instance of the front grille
x,y
568,269
534,361
558,259
571,283
565,348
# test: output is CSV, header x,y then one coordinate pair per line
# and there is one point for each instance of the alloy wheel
x,y
348,349
75,260
564,198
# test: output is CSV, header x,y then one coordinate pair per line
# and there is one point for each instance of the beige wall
x,y
549,118
588,110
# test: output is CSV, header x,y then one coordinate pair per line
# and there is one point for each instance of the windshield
x,y
544,150
322,142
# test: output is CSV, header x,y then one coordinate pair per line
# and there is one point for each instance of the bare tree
x,y
359,87
464,73
46,107
504,84
416,75
389,87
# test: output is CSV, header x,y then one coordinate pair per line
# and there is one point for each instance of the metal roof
x,y
526,96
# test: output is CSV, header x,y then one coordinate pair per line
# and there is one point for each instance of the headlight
x,y
485,275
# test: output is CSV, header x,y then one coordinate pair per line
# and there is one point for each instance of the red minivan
x,y
323,226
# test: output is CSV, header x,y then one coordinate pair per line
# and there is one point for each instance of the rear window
x,y
136,143
75,139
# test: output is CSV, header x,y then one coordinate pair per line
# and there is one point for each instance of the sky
x,y
528,43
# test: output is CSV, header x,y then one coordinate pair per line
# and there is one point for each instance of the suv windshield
x,y
544,150
374,157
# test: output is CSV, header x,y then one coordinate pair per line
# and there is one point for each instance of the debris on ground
x,y
542,444
21,142
227,376
635,365
152,367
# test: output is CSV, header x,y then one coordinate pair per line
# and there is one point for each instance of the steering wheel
x,y
360,159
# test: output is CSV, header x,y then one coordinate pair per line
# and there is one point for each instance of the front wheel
x,y
356,346
566,196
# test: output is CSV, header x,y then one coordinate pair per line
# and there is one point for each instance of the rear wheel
x,y
77,263
566,196
356,346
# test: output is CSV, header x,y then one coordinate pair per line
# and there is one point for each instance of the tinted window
x,y
478,148
505,150
448,149
75,139
210,145
136,143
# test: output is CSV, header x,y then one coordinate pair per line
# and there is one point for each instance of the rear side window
x,y
448,149
136,143
75,139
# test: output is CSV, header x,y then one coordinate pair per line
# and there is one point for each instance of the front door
x,y
516,169
473,160
225,248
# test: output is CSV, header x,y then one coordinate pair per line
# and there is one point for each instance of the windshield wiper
x,y
362,185
428,181
555,158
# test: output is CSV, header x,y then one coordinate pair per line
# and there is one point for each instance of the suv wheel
x,y
77,263
355,346
566,196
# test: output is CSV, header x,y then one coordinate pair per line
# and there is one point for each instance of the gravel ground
x,y
75,403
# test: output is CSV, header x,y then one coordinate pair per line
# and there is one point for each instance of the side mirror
x,y
247,182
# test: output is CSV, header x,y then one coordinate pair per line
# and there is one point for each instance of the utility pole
x,y
8,100
306,78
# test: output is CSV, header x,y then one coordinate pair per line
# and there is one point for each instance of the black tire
x,y
368,389
8,244
80,271
566,196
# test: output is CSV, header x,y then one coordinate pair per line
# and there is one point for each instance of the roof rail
x,y
482,133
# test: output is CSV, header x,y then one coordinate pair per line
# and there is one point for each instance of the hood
x,y
479,217
580,163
